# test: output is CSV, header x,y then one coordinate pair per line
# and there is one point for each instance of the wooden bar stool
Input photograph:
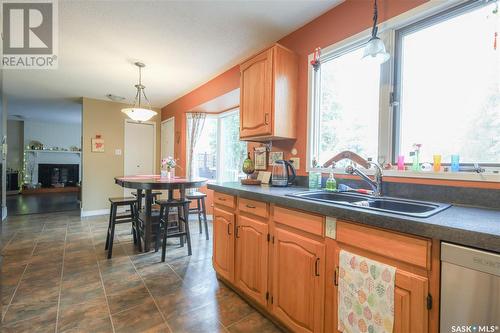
x,y
128,217
200,209
169,229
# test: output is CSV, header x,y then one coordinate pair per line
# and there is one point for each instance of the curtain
x,y
196,122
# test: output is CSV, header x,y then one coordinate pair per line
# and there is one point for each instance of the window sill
x,y
457,176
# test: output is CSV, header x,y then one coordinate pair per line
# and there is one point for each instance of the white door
x,y
139,149
167,138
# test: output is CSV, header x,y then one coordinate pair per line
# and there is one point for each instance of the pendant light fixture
x,y
375,48
137,112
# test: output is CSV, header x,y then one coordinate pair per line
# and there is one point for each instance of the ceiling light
x,y
375,48
137,112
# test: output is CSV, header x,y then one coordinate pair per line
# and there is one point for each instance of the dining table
x,y
148,183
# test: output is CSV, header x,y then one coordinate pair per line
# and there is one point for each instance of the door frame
x,y
154,141
161,129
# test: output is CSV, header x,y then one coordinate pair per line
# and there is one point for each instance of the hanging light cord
x,y
375,19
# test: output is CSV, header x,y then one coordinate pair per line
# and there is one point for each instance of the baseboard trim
x,y
98,212
87,213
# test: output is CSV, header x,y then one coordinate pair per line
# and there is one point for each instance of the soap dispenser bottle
x,y
331,183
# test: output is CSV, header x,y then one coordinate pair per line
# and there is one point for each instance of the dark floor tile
x,y
40,290
11,274
118,283
200,321
81,293
143,318
254,322
128,298
31,310
90,316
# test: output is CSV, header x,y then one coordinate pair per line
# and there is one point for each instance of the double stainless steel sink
x,y
382,204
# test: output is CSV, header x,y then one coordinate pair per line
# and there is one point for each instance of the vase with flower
x,y
167,165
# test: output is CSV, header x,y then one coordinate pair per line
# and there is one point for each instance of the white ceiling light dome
x,y
137,112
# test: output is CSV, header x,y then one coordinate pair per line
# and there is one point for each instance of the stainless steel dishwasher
x,y
470,290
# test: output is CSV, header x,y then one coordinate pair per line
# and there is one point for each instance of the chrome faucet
x,y
375,185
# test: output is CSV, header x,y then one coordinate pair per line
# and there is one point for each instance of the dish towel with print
x,y
366,295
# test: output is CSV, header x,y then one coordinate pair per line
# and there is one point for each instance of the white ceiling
x,y
183,43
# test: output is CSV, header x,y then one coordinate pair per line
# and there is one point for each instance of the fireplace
x,y
58,175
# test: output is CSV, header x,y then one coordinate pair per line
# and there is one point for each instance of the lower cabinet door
x,y
252,258
298,283
410,303
223,243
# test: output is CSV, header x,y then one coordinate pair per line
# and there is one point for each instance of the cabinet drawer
x,y
408,249
224,199
311,223
258,208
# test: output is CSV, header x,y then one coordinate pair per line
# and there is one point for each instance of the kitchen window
x,y
440,89
348,105
219,153
447,85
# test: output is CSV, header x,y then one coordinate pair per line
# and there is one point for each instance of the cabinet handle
x,y
336,276
266,118
221,199
229,229
316,267
250,206
237,232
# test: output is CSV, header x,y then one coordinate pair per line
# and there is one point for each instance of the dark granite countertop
x,y
470,226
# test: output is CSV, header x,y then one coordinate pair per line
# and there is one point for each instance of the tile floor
x,y
55,278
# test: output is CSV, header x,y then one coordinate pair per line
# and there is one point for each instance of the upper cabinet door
x,y
256,96
298,285
251,258
223,251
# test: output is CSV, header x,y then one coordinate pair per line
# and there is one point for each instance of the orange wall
x,y
345,20
224,83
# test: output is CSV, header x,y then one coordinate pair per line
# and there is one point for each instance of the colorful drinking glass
x,y
401,162
437,162
455,163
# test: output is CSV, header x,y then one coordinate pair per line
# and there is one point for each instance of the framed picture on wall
x,y
97,145
260,159
275,156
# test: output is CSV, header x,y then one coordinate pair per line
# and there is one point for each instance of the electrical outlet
x,y
118,152
296,162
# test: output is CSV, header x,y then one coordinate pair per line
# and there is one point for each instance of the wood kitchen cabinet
x,y
410,256
268,88
298,281
251,262
223,243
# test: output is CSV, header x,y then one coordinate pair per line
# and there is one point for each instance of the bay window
x,y
219,153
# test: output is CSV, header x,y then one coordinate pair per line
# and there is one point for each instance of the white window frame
x,y
386,148
219,149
